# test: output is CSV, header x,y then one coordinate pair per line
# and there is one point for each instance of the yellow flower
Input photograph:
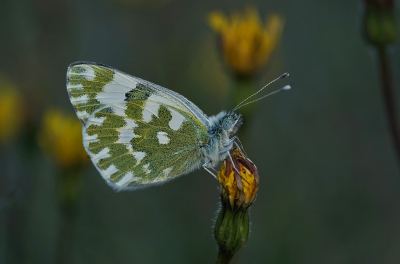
x,y
10,110
246,42
61,138
239,189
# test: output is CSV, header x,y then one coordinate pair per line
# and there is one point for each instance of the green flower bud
x,y
231,230
379,22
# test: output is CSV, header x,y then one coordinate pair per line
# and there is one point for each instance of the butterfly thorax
x,y
223,126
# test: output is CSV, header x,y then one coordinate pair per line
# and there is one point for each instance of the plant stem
x,y
69,190
66,235
224,257
242,89
389,98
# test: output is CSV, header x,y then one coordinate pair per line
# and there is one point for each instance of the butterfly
x,y
140,134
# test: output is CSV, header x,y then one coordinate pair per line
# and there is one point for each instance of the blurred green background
x,y
329,179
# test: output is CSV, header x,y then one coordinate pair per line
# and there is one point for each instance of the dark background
x,y
329,181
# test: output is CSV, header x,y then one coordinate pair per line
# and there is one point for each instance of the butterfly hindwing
x,y
135,133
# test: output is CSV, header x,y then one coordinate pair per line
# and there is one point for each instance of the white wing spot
x,y
177,119
89,73
98,120
125,80
110,170
126,178
77,86
117,90
101,155
163,138
139,156
130,123
167,171
82,114
149,109
129,147
114,99
81,99
126,133
119,108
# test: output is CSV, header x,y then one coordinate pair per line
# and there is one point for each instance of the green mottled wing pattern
x,y
136,133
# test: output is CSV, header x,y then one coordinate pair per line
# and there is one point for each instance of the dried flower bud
x,y
239,184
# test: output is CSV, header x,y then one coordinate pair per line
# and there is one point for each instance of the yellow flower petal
x,y
242,193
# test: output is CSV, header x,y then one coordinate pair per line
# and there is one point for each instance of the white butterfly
x,y
139,134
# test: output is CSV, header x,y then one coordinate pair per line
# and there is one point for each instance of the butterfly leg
x,y
233,164
238,144
214,170
208,170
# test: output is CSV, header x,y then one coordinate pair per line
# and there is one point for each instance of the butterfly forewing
x,y
135,133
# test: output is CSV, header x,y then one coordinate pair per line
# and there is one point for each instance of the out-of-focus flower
x,y
246,43
380,25
380,30
238,190
11,110
61,138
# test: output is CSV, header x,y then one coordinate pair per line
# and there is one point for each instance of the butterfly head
x,y
231,122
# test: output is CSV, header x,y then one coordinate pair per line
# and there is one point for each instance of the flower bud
x,y
379,22
239,184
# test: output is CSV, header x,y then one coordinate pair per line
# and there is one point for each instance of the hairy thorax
x,y
219,145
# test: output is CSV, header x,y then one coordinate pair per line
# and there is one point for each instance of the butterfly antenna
x,y
280,77
284,88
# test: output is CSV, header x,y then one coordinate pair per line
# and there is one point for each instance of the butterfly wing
x,y
136,133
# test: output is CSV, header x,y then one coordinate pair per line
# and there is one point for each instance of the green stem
x,y
389,98
243,88
65,237
69,190
224,257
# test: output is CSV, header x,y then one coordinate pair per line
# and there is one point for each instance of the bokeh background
x,y
329,178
